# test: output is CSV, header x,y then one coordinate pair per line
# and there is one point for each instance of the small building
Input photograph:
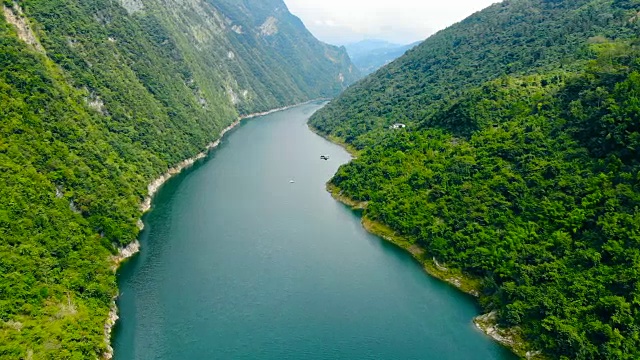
x,y
398,126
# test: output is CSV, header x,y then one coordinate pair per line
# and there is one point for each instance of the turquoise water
x,y
239,263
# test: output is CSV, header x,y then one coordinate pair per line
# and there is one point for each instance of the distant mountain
x,y
370,55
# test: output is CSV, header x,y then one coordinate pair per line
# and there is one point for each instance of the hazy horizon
x,y
342,22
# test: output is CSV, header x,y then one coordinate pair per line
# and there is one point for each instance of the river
x,y
246,256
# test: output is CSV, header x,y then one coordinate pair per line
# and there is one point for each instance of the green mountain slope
x,y
99,97
511,37
521,175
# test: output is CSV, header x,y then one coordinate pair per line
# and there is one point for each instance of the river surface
x,y
238,262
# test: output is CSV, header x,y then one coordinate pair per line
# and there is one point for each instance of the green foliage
x,y
510,37
113,101
520,165
531,184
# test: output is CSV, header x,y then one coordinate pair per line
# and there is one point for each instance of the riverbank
x,y
349,148
155,185
434,268
487,323
132,249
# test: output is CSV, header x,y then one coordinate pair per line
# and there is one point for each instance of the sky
x,y
401,21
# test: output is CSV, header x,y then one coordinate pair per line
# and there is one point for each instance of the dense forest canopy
x,y
510,37
98,98
519,165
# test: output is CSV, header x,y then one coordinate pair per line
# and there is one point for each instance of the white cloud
x,y
402,21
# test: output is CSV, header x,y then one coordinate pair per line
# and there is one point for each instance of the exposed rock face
x,y
224,30
237,29
95,102
16,17
132,6
488,324
233,96
270,27
123,254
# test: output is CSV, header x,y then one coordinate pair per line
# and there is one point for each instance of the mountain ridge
x,y
556,30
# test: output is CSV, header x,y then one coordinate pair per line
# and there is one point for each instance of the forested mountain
x,y
519,166
370,55
99,97
511,37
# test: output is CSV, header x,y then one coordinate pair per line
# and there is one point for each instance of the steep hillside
x,y
99,97
266,56
371,55
517,176
511,37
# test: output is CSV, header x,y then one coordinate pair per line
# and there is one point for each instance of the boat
x,y
324,157
291,181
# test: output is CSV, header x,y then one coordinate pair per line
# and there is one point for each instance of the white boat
x,y
291,181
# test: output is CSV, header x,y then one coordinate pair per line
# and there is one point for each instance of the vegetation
x,y
509,38
110,100
528,181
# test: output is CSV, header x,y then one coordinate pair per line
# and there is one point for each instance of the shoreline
x,y
124,253
349,148
487,323
434,268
